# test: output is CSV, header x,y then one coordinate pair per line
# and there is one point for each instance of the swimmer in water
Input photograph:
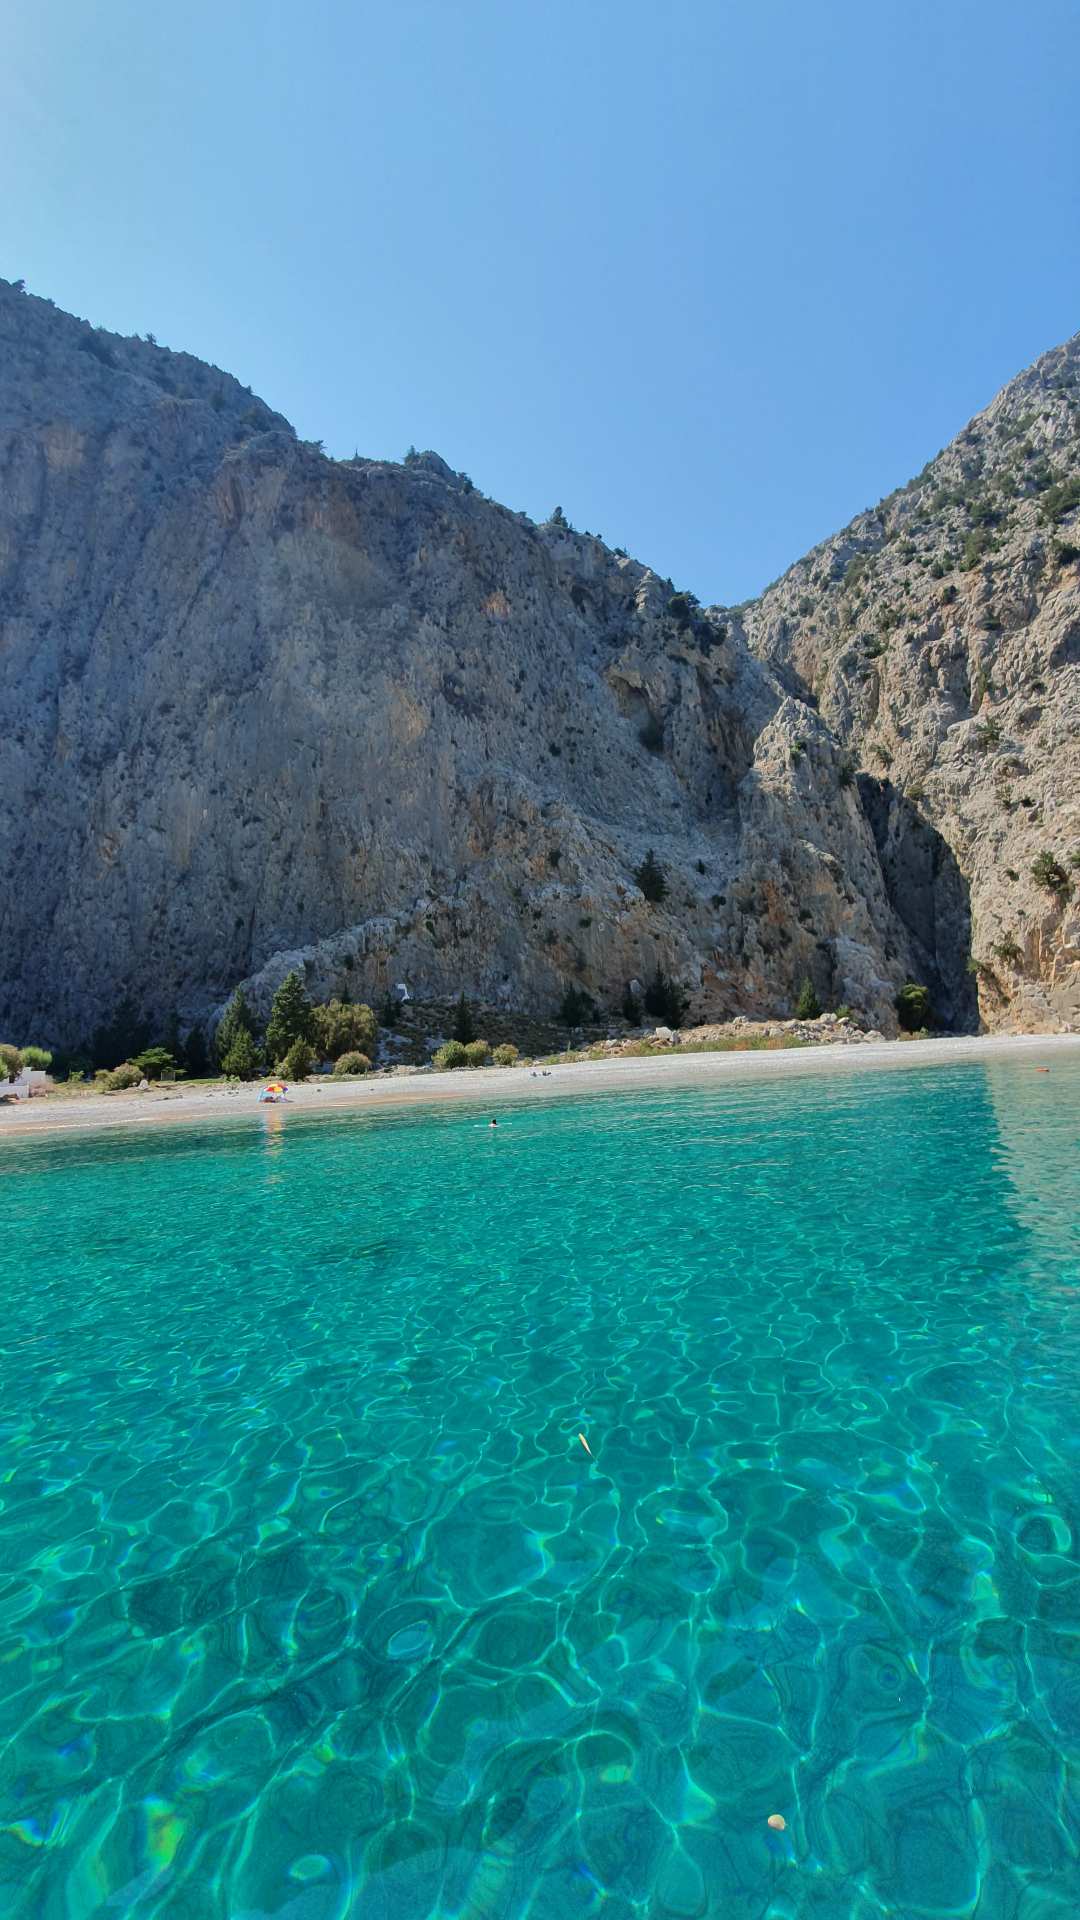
x,y
493,1123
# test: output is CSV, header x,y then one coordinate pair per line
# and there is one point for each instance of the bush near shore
x,y
342,1037
473,1053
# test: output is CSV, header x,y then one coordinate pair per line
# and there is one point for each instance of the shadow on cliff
x,y
929,895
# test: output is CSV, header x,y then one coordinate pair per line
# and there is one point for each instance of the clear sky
x,y
712,277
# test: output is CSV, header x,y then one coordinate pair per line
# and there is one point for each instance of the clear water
x,y
312,1604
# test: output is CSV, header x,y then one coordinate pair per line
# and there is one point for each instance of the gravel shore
x,y
164,1106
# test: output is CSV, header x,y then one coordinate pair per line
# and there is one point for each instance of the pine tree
x,y
117,1039
155,1062
341,1028
196,1057
575,1007
664,999
650,878
299,1060
807,1006
236,1019
913,1008
242,1060
464,1027
291,1018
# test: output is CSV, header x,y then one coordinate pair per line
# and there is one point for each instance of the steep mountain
x,y
262,708
939,637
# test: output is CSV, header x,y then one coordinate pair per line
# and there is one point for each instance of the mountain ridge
x,y
262,707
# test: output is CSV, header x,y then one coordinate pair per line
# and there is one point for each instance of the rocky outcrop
x,y
742,1035
939,637
260,708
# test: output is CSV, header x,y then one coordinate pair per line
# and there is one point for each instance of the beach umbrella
x,y
275,1086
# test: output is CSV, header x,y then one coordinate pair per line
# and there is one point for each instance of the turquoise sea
x,y
313,1605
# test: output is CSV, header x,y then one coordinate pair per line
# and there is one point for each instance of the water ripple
x,y
313,1605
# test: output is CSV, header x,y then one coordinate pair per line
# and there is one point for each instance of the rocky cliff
x,y
258,707
939,638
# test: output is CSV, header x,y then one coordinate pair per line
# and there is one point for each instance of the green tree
x,y
10,1062
630,1008
664,999
299,1060
682,607
350,1063
292,1018
650,878
243,1060
123,1077
126,1033
977,544
342,1027
913,1008
36,1058
807,1006
1050,873
575,1007
464,1027
451,1054
153,1062
196,1056
72,1063
1061,498
236,1019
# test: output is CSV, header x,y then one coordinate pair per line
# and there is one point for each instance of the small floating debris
x,y
586,1445
777,1822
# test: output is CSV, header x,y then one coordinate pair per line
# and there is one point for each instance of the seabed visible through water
x,y
313,1605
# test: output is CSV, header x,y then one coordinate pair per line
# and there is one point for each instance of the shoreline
x,y
94,1113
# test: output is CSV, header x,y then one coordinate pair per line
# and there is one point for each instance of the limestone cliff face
x,y
940,637
260,707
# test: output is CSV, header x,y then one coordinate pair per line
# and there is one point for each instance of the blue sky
x,y
710,276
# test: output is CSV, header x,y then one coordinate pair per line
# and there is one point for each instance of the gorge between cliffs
x,y
264,710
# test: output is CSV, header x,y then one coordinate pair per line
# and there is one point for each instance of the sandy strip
x,y
491,1086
